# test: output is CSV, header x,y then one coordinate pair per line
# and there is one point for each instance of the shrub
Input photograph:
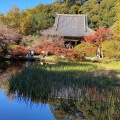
x,y
13,46
111,49
56,48
17,51
74,55
89,49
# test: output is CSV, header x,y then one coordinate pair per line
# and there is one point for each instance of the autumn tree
x,y
18,51
51,47
58,48
7,37
98,37
12,18
18,20
1,19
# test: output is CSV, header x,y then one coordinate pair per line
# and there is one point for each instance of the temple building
x,y
72,27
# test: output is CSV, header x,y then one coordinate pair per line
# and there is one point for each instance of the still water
x,y
54,100
13,108
20,110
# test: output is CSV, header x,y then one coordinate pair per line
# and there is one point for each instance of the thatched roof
x,y
74,25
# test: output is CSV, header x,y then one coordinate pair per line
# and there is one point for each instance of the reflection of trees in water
x,y
10,66
7,69
92,103
70,101
105,106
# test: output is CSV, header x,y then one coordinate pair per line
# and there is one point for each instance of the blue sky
x,y
6,5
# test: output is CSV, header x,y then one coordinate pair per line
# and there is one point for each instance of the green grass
x,y
102,75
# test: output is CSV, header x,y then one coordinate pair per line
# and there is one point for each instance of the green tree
x,y
116,26
74,9
100,12
25,21
41,21
107,12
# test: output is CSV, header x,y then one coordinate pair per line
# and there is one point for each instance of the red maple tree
x,y
50,47
98,37
56,48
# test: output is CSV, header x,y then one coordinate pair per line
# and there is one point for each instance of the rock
x,y
95,59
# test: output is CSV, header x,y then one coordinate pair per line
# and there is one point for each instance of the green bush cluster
x,y
89,49
111,49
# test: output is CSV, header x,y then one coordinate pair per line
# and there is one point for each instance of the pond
x,y
29,91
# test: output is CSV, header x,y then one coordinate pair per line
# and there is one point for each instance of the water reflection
x,y
74,100
91,104
13,107
7,69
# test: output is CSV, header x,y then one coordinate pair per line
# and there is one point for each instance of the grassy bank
x,y
102,75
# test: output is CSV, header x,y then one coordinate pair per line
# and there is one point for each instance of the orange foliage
x,y
57,48
98,37
50,47
74,55
19,51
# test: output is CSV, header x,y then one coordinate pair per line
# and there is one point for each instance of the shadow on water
x,y
72,91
